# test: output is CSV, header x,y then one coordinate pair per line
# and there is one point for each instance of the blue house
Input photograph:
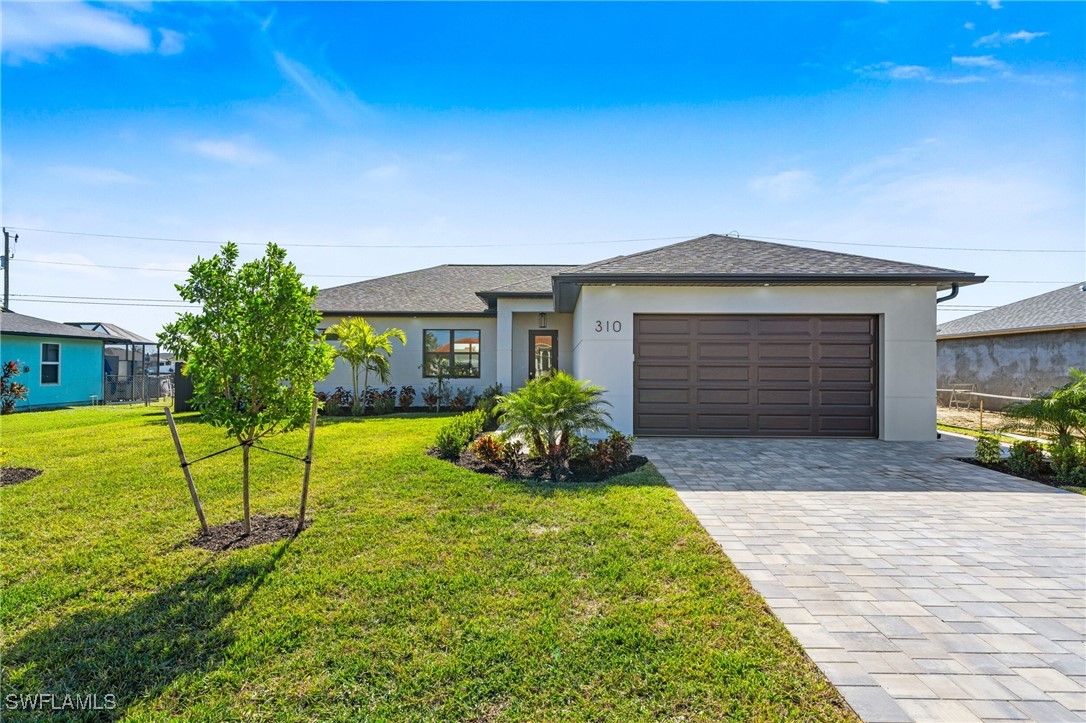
x,y
62,365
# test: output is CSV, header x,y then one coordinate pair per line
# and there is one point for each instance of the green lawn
x,y
421,591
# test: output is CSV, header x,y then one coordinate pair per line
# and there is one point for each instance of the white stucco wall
x,y
906,354
516,317
406,360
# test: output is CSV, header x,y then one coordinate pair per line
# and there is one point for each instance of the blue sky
x,y
494,133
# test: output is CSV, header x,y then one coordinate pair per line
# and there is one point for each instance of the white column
x,y
505,346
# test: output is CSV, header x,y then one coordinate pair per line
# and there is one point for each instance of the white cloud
x,y
893,71
336,101
239,152
34,31
969,26
995,4
172,43
997,39
976,61
94,176
786,185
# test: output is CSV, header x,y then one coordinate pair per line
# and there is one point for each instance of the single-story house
x,y
1018,349
716,336
62,365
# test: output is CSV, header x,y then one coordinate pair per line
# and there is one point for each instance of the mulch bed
x,y
15,475
522,467
229,537
1045,479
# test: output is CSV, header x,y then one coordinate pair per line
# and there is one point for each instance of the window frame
x,y
44,363
473,356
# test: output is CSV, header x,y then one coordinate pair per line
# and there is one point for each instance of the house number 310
x,y
602,326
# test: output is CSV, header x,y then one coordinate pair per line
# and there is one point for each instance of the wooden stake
x,y
982,415
246,529
308,464
185,467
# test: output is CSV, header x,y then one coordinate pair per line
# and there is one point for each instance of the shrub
x,y
610,453
488,402
1069,463
549,411
988,451
435,396
322,397
1026,458
1059,414
407,397
463,399
340,401
457,434
385,402
491,449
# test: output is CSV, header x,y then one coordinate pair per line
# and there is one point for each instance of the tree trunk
x,y
365,388
245,483
354,384
308,466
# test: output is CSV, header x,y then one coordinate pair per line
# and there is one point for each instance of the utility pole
x,y
9,240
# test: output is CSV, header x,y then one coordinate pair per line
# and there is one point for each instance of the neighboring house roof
x,y
112,330
730,260
23,325
1061,309
448,289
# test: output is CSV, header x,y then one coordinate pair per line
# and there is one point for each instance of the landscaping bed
x,y
522,466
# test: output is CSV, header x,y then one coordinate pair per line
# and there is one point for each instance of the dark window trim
x,y
451,354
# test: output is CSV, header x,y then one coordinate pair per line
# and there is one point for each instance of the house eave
x,y
103,339
567,287
386,313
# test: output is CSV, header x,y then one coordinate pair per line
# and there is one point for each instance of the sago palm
x,y
365,350
1059,413
548,411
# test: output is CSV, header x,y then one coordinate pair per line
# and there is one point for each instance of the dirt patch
x,y
15,475
970,419
229,536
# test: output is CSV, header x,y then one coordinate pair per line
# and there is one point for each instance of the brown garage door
x,y
754,376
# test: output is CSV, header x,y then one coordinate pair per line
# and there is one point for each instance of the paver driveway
x,y
924,587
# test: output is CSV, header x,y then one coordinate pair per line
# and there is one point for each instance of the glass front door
x,y
542,352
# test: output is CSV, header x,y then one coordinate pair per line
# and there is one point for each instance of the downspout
x,y
939,300
948,297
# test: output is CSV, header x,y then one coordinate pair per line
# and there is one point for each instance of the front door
x,y
542,352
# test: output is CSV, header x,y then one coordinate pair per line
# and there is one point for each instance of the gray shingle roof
x,y
23,325
728,255
448,289
1061,308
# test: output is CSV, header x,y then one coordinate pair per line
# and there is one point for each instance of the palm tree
x,y
549,411
1059,413
365,350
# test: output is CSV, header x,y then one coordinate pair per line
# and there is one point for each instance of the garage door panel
x,y
723,422
659,372
674,325
675,396
785,374
774,375
724,396
791,352
650,351
710,326
722,373
709,351
842,350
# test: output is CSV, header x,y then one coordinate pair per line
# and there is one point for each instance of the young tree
x,y
365,350
252,351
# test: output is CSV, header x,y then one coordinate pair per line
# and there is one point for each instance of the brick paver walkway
x,y
925,588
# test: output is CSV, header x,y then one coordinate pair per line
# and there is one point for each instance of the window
x,y
50,363
454,352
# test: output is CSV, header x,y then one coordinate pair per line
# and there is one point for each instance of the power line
x,y
556,243
101,298
176,271
109,303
